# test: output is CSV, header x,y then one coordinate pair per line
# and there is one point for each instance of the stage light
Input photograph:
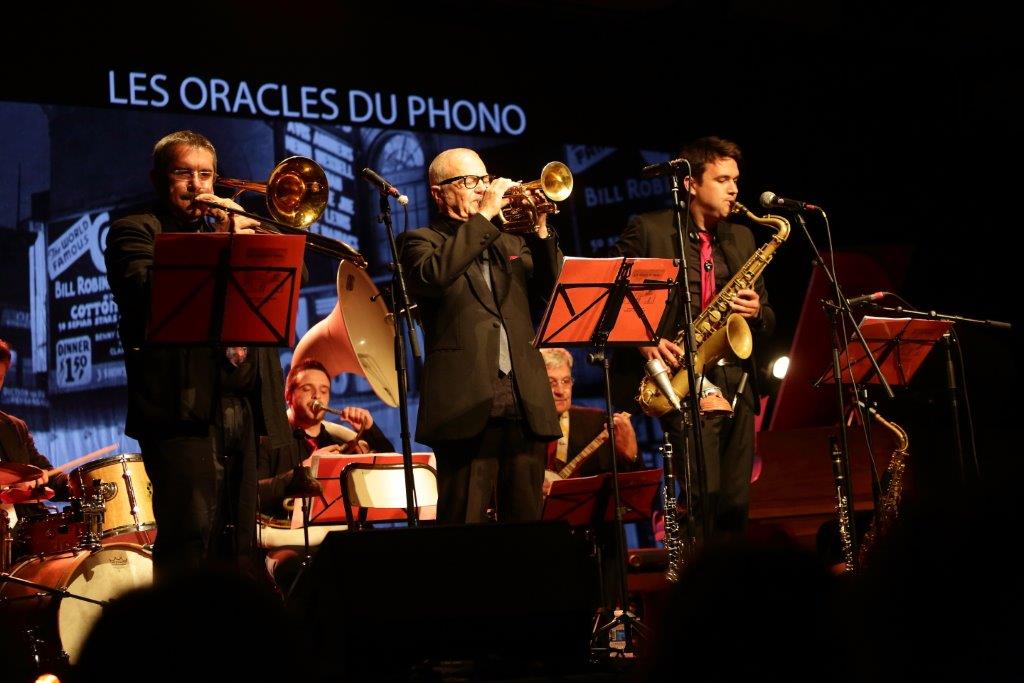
x,y
779,367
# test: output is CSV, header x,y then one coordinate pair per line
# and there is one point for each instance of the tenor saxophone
x,y
717,333
888,509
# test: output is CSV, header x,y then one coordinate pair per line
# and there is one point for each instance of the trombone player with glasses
x,y
485,403
194,410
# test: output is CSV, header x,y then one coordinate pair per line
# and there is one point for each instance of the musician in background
x,y
196,411
485,406
309,381
17,445
716,250
581,425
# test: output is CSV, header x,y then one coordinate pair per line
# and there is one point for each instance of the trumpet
x,y
296,195
528,201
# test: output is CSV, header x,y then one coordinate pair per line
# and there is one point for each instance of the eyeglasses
x,y
565,382
183,175
469,181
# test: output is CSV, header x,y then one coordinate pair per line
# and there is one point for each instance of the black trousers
x,y
504,463
729,457
204,493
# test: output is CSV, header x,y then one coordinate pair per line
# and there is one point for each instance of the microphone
x,y
770,200
657,371
664,168
873,296
384,186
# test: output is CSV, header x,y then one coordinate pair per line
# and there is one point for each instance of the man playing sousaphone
x,y
307,393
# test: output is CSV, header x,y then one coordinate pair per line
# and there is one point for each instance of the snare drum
x,y
127,495
48,534
64,622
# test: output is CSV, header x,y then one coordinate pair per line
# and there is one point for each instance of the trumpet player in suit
x,y
485,405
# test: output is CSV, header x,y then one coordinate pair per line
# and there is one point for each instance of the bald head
x,y
455,200
448,163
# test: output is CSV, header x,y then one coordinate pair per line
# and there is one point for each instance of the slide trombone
x,y
296,197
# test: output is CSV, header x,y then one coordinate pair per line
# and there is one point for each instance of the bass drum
x,y
63,622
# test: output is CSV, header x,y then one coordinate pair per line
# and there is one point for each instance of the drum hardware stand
x,y
44,590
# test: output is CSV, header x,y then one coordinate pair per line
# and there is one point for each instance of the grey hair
x,y
556,357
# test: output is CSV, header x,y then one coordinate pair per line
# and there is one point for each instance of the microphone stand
x,y
691,413
840,454
403,311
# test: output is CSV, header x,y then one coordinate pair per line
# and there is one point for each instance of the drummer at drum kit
x,y
24,488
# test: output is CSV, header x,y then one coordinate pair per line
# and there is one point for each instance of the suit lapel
x,y
475,276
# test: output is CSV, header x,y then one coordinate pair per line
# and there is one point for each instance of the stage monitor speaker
x,y
378,601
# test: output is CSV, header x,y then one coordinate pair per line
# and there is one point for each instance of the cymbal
x,y
17,473
33,495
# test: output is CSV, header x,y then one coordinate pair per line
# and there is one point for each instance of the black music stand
x,y
602,302
900,345
222,290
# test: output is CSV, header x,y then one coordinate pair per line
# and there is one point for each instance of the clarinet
x,y
673,533
843,509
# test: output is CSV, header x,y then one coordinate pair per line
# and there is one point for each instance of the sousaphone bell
x,y
358,336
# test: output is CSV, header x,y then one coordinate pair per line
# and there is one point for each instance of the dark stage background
x,y
890,117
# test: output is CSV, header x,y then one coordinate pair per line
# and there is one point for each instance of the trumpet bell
x,y
358,336
556,181
297,192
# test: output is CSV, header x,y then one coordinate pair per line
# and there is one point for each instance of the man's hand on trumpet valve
x,y
493,198
226,221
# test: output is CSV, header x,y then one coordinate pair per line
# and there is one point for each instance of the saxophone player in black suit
x,y
485,404
716,250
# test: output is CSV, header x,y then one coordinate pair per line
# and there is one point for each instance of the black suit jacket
x,y
17,445
653,235
461,324
170,389
584,425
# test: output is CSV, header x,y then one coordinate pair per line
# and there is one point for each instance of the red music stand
x,y
637,493
900,345
225,289
582,292
574,500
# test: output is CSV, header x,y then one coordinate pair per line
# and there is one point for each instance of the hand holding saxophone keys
x,y
746,302
667,351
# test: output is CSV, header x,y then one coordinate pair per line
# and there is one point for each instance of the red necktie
x,y
311,443
707,269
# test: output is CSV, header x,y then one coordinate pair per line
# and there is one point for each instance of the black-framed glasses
x,y
469,181
183,175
